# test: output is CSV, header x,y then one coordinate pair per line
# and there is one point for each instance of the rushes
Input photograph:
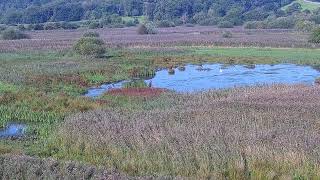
x,y
235,133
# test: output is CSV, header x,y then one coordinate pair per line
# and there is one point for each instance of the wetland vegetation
x,y
162,100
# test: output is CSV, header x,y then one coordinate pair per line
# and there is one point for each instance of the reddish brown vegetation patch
x,y
139,92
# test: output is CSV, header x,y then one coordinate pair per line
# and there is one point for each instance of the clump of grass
x,y
24,167
95,78
135,84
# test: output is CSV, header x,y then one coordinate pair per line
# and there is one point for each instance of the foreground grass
x,y
242,133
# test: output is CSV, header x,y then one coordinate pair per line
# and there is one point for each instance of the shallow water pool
x,y
13,130
196,78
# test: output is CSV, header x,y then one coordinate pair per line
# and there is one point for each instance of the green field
x,y
305,5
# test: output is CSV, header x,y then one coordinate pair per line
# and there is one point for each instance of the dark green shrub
x,y
91,34
12,34
89,46
225,24
95,25
315,36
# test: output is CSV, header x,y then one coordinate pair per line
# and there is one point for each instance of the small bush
x,y
12,34
225,24
227,34
90,46
91,34
315,36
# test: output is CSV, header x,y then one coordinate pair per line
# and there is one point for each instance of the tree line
x,y
235,12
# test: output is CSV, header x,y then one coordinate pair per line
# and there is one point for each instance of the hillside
x,y
235,11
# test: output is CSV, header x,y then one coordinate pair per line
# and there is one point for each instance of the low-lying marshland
x,y
268,131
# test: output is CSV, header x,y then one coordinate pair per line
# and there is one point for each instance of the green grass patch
x,y
305,5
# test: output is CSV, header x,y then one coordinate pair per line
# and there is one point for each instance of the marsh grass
x,y
261,131
257,132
